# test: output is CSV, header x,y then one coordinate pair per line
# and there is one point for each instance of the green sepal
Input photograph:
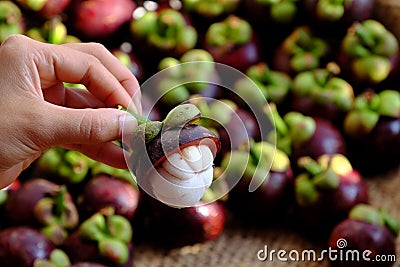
x,y
306,193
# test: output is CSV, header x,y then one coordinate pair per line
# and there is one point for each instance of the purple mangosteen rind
x,y
179,227
372,215
160,147
23,240
20,205
361,236
105,190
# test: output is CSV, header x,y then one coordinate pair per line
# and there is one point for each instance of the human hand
x,y
39,112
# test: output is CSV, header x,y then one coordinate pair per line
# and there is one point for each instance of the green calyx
x,y
114,250
370,37
36,5
57,214
231,31
187,75
305,191
331,10
211,8
263,154
293,130
274,85
324,88
57,258
53,31
372,68
301,128
10,13
68,165
75,166
123,174
166,30
11,21
181,115
305,49
234,164
283,11
112,233
3,196
368,213
178,117
321,174
367,109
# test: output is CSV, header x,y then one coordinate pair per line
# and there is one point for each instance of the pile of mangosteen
x,y
324,73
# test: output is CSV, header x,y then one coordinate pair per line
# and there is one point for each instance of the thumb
x,y
86,126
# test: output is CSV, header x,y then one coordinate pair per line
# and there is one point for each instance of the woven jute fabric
x,y
238,246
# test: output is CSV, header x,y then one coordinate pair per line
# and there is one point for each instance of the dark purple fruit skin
x,y
240,57
90,18
231,136
20,246
172,227
268,204
309,107
20,204
106,191
361,236
79,250
148,156
379,150
334,206
54,7
327,139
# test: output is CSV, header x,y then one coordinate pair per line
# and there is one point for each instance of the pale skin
x,y
39,112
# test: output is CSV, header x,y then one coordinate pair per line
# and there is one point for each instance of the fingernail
x,y
127,124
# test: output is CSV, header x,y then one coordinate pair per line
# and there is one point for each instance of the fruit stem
x,y
309,165
59,200
140,119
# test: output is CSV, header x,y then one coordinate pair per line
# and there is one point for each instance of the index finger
x,y
122,73
71,65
